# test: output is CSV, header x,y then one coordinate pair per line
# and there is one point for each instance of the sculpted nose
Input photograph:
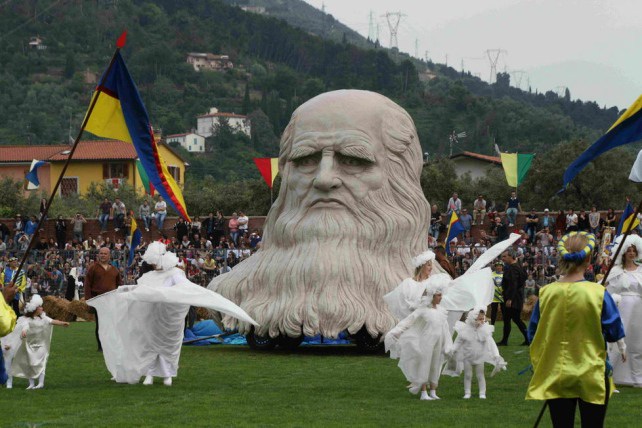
x,y
326,178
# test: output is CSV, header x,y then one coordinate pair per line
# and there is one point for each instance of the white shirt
x,y
243,221
161,207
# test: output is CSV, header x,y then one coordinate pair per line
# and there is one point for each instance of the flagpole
x,y
119,44
629,228
271,197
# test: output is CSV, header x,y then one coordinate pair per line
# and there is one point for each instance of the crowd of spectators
x,y
540,233
206,248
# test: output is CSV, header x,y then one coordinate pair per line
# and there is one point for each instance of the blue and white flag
x,y
32,175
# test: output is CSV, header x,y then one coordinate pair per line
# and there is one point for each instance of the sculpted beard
x,y
324,270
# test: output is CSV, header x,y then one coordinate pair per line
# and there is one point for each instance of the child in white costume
x,y
32,353
473,347
421,341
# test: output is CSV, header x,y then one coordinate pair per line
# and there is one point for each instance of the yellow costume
x,y
568,351
7,318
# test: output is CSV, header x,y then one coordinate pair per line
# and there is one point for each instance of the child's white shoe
x,y
425,396
39,386
482,396
466,395
167,381
433,395
149,380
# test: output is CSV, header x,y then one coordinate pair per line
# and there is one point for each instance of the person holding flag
x,y
9,276
135,238
454,229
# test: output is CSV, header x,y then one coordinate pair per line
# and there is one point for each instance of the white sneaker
x,y
425,396
482,396
30,387
434,396
149,380
167,381
467,396
39,386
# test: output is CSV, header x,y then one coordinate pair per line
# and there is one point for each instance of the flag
x,y
119,113
627,217
515,167
32,175
454,228
149,187
627,129
135,238
269,168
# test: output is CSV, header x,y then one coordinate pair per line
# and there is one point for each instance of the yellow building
x,y
105,161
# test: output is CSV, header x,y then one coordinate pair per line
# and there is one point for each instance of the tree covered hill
x,y
45,92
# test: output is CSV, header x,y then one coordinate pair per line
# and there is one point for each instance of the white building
x,y
475,164
190,142
207,123
209,61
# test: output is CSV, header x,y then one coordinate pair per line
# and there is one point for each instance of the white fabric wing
x,y
492,253
468,291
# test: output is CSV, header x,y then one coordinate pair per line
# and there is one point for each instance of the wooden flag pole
x,y
629,228
119,44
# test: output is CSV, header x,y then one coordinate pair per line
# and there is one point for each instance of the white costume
x,y
475,287
473,347
626,287
141,326
421,341
10,344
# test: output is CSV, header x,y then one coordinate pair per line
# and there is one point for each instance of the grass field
x,y
234,386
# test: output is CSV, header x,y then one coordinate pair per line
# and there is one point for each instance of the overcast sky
x,y
592,47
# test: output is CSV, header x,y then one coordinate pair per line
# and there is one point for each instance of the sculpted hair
x,y
319,272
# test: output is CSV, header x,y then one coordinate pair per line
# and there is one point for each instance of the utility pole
x,y
371,28
416,48
518,76
393,19
493,57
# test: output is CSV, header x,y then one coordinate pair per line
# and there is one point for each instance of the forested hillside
x,y
277,67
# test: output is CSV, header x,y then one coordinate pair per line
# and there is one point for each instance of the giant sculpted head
x,y
349,217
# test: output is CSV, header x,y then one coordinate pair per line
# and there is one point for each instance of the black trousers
x,y
512,314
93,310
494,308
591,415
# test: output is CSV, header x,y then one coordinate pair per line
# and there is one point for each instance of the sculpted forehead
x,y
341,111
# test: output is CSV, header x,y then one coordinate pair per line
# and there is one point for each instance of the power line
x,y
393,19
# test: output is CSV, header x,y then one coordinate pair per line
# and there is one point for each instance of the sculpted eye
x,y
352,161
310,160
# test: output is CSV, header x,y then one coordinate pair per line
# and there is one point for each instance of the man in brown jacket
x,y
101,277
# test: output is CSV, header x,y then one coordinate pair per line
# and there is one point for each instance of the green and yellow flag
x,y
515,167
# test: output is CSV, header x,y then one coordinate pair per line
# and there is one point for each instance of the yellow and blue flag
x,y
628,216
454,228
627,129
135,238
119,113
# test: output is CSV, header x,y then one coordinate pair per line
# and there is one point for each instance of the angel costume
x,y
626,287
142,333
475,287
421,341
473,347
32,353
10,344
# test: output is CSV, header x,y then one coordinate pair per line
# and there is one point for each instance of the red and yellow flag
x,y
269,168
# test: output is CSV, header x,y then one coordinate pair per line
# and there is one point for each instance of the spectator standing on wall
x,y
243,223
104,212
77,222
435,222
466,220
61,232
145,214
532,220
31,226
233,226
594,220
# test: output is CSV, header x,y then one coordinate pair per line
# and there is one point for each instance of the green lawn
x,y
234,386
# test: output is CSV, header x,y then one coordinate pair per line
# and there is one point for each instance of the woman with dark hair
x,y
442,259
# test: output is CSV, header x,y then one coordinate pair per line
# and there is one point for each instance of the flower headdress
x,y
158,256
575,256
631,240
34,303
423,258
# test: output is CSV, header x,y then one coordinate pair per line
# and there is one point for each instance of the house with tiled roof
x,y
475,164
98,161
207,123
191,142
